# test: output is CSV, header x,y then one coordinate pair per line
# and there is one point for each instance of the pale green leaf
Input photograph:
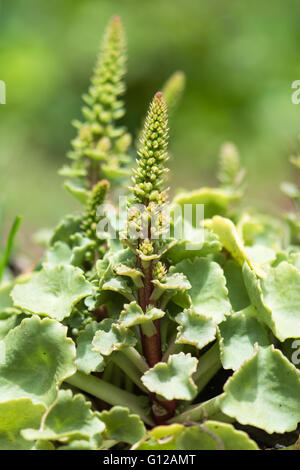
x,y
263,229
237,291
213,435
208,294
66,229
123,426
215,200
87,360
15,415
112,337
58,253
81,245
36,357
134,315
173,380
264,392
53,291
229,237
68,418
195,329
238,336
7,322
160,438
193,242
120,285
277,299
174,282
78,191
133,273
6,304
260,254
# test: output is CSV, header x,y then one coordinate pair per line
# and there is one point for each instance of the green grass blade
x,y
9,244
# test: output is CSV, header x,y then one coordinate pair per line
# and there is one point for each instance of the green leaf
x,y
80,247
195,329
237,291
112,337
123,426
160,438
68,418
66,229
213,435
58,253
87,360
53,291
134,315
208,294
71,172
7,322
264,393
174,282
260,254
15,415
93,444
120,285
263,229
6,304
112,172
133,273
194,242
215,200
36,357
173,380
229,237
277,299
78,191
238,336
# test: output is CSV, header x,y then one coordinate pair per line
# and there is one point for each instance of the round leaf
x,y
264,392
36,357
53,291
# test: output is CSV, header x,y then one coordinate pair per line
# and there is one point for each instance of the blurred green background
x,y
240,58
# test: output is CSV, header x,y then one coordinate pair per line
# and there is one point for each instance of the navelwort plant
x,y
151,340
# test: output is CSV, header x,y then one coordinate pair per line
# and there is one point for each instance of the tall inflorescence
x,y
147,219
147,212
148,178
173,90
91,219
101,145
230,173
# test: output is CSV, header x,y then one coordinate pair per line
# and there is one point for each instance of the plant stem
x,y
109,393
151,344
208,366
134,356
130,370
173,348
209,409
9,244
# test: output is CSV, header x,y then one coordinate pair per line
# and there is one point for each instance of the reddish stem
x,y
163,410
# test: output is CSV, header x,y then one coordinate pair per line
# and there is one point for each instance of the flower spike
x,y
148,178
100,148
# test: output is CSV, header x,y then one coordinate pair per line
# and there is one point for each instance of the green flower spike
x,y
149,176
173,90
100,146
91,219
230,174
